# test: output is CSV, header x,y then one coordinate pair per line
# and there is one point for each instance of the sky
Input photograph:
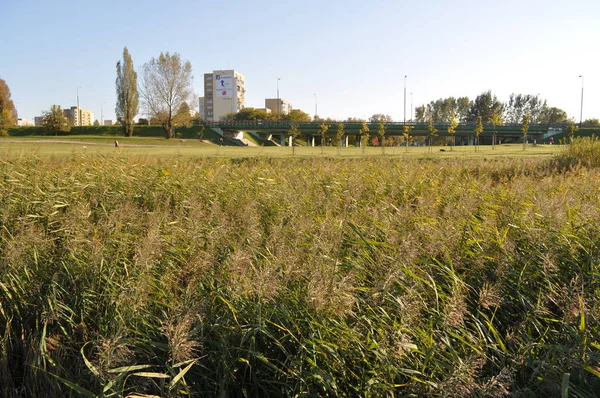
x,y
353,54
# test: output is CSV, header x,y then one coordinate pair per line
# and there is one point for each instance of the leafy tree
x,y
380,117
166,85
143,122
364,135
431,132
452,129
406,134
294,132
496,120
591,123
128,97
8,113
522,104
421,114
183,116
485,105
554,115
322,131
227,117
478,130
251,114
298,115
381,134
55,121
96,123
339,134
571,130
525,129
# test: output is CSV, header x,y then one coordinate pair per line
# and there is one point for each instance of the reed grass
x,y
133,275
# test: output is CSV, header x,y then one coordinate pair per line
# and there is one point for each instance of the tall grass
x,y
298,277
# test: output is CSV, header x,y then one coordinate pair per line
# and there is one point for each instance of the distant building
x,y
74,113
38,120
24,122
224,92
284,107
202,108
108,122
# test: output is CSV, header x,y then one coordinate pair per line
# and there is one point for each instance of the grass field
x,y
58,146
218,273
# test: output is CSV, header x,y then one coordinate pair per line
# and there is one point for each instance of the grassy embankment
x,y
332,277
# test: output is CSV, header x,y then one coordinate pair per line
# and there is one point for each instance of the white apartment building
x,y
224,92
24,122
87,117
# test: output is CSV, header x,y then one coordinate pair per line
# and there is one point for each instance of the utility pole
x,y
411,108
316,113
78,109
581,109
404,99
278,102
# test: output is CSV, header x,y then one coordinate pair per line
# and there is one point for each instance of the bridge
x,y
464,131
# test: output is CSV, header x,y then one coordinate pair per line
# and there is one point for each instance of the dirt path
x,y
86,143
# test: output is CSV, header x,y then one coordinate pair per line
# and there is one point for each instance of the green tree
x,y
339,134
452,129
183,117
294,132
525,129
322,131
380,117
485,105
8,112
55,121
96,123
521,104
554,115
252,114
127,93
166,85
406,134
381,134
591,123
571,130
298,115
364,135
478,130
431,132
496,120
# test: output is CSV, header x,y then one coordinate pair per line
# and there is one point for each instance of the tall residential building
x,y
87,117
284,107
224,92
202,108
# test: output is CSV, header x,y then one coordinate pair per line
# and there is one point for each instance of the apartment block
x,y
224,92
278,106
74,114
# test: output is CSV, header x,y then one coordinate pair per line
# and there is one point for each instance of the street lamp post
x,y
411,108
102,114
78,110
404,99
316,113
278,102
581,109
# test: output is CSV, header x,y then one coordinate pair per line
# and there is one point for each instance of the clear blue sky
x,y
352,53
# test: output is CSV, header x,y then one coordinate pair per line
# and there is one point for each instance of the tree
x,y
339,134
554,115
420,114
8,113
322,131
166,85
298,115
55,121
406,135
496,120
485,105
381,134
380,117
452,129
127,93
591,123
96,123
571,130
525,129
521,104
364,135
183,116
478,130
431,132
294,132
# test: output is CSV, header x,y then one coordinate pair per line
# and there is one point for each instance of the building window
x,y
210,101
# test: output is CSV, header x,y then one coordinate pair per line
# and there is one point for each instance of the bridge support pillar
x,y
313,140
291,141
346,140
282,140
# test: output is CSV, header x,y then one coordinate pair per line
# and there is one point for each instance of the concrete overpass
x,y
464,131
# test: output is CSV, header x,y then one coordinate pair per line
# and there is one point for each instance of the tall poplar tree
x,y
127,93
